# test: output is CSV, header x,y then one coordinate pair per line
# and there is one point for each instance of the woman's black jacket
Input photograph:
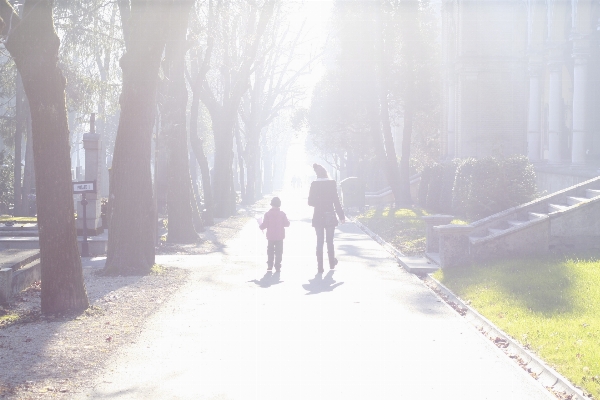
x,y
323,197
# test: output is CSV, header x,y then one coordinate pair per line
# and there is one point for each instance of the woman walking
x,y
324,198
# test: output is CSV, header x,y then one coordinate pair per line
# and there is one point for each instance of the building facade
x,y
523,77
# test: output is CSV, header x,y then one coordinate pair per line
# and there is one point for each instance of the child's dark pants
x,y
274,251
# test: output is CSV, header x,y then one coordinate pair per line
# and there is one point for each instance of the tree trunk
x,y
125,13
258,176
253,130
267,172
161,162
223,194
29,172
391,160
132,226
240,152
196,205
405,199
252,154
104,64
179,195
20,127
380,163
223,114
198,149
33,43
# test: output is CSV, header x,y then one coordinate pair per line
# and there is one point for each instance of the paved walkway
x,y
369,330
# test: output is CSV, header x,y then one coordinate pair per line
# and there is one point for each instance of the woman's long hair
x,y
320,171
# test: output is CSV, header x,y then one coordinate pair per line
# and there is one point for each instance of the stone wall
x,y
533,239
552,179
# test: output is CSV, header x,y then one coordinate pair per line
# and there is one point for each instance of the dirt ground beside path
x,y
49,357
214,238
55,358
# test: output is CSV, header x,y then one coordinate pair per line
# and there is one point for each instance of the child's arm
x,y
286,221
264,224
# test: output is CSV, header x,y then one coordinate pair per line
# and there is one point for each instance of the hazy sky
x,y
316,14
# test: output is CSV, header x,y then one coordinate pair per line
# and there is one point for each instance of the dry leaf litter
x,y
54,357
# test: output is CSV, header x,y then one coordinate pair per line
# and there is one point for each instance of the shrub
x,y
489,185
462,185
519,181
485,196
435,191
474,188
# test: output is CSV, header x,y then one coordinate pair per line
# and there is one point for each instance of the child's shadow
x,y
268,280
320,284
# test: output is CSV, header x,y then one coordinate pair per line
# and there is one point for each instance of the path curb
x,y
546,375
388,247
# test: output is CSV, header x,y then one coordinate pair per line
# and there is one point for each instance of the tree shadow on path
x,y
268,280
320,284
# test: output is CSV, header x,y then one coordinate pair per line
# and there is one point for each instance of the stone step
x,y
514,223
511,224
16,258
572,200
556,207
10,226
435,257
507,231
495,231
533,216
24,233
591,193
96,244
419,265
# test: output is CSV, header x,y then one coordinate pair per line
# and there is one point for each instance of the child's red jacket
x,y
275,222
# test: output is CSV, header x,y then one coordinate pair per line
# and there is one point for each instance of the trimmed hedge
x,y
477,188
436,195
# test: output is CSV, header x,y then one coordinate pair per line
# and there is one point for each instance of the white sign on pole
x,y
84,187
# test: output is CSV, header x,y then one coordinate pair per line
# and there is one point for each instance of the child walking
x,y
275,222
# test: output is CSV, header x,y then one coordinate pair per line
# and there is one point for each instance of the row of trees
x,y
383,69
91,43
238,59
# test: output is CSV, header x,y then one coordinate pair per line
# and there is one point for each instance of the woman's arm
x,y
311,195
338,206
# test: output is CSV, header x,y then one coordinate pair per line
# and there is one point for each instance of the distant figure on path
x,y
324,198
275,221
296,182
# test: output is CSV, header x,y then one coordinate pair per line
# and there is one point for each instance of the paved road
x,y
369,330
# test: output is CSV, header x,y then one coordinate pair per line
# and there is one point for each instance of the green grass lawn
x,y
4,218
550,305
403,228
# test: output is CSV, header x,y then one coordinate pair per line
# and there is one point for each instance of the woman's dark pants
x,y
274,251
325,235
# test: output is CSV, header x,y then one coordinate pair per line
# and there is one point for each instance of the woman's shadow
x,y
268,280
320,284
